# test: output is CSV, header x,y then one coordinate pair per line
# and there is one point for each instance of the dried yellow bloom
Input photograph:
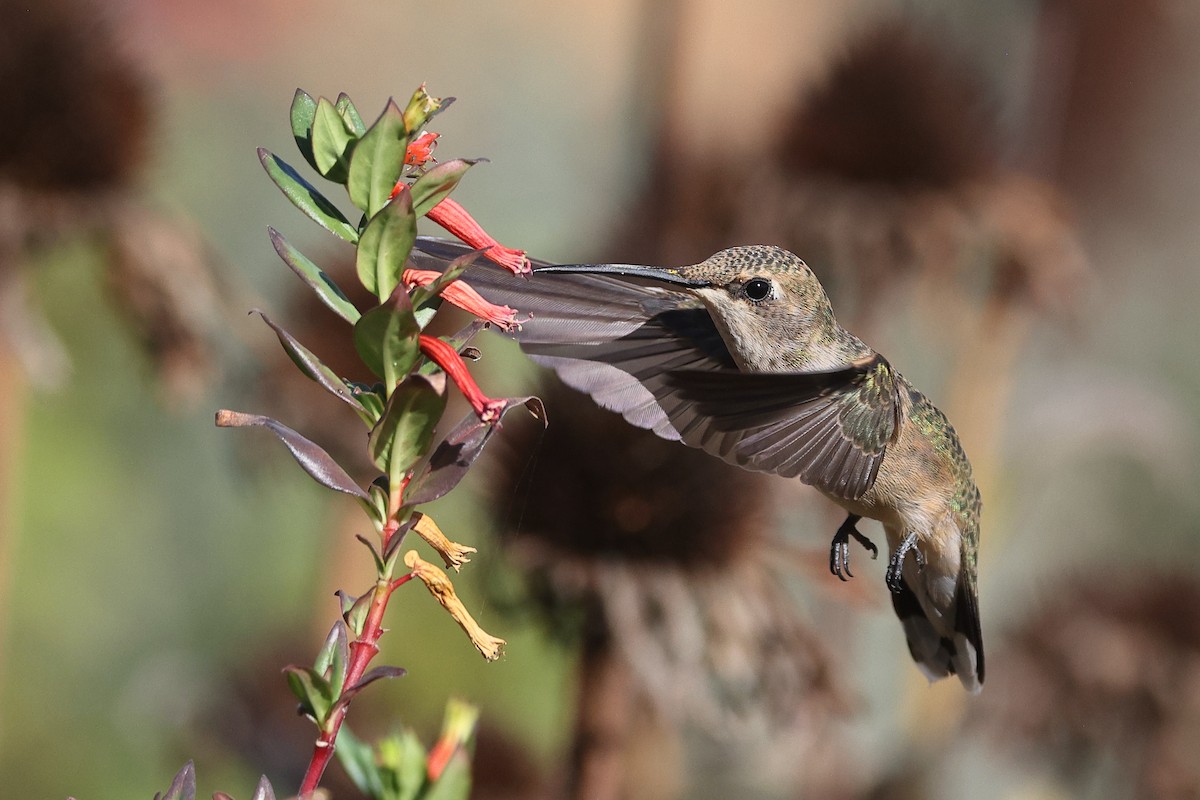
x,y
453,553
441,588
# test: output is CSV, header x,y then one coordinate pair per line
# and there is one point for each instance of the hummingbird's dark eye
x,y
757,289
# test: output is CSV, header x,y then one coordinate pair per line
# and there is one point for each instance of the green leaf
x,y
319,465
349,114
334,657
378,161
332,142
386,339
385,245
455,780
312,690
304,108
312,367
305,196
402,762
404,433
435,185
355,609
326,290
358,759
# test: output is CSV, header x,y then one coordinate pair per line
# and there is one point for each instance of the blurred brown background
x,y
1000,196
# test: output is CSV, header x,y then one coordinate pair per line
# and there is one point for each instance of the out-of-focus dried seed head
x,y
77,110
1105,674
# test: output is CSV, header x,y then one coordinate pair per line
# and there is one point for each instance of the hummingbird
x,y
740,355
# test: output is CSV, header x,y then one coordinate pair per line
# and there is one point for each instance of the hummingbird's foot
x,y
895,570
839,550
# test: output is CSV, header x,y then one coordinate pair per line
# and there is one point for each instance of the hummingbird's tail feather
x,y
939,652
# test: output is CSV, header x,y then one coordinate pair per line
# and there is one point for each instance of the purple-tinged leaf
x,y
386,339
385,245
436,185
263,791
326,290
305,196
375,674
378,161
183,787
455,454
312,459
312,367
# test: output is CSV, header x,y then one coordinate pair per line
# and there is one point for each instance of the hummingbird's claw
x,y
839,549
895,570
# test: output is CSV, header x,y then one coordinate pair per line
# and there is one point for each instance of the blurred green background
x,y
149,562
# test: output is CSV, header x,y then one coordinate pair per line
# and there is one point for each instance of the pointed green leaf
x,y
402,759
332,142
404,433
355,609
319,465
334,657
304,108
312,367
326,290
306,197
378,161
386,339
311,690
436,185
349,114
385,245
358,759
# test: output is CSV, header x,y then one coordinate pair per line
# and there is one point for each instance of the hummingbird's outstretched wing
x,y
653,354
828,428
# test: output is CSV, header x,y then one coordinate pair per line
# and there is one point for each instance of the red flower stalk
x,y
466,298
454,218
446,357
420,150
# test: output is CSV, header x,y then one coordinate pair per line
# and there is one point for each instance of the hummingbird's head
x,y
768,304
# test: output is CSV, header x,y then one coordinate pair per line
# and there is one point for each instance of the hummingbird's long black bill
x,y
661,274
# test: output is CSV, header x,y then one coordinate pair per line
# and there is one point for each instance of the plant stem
x,y
362,650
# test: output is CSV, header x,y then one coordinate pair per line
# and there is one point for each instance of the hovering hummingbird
x,y
740,355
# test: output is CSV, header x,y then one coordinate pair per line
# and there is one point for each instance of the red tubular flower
x,y
446,357
420,150
466,298
454,218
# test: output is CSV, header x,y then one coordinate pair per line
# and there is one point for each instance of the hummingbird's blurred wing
x,y
828,428
612,338
653,354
